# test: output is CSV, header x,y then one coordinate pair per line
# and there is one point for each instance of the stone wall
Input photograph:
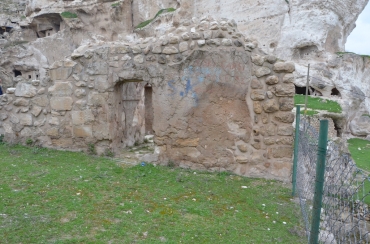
x,y
219,103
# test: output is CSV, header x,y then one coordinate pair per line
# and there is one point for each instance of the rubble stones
x,y
287,67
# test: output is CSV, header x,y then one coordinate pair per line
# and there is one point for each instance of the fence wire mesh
x,y
345,213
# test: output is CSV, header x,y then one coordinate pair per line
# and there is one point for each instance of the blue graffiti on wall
x,y
192,77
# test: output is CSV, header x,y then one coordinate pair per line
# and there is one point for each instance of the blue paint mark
x,y
189,87
201,79
193,76
171,85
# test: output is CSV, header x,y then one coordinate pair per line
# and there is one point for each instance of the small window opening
x,y
29,76
37,76
17,73
335,92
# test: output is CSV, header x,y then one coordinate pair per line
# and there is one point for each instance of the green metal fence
x,y
333,193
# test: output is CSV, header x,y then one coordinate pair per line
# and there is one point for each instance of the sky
x,y
359,40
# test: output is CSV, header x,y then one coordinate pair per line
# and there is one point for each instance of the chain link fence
x,y
344,216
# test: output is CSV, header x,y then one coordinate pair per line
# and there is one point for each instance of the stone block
x,y
61,89
174,39
288,78
226,42
243,148
213,42
185,36
207,34
285,117
25,90
52,132
82,117
136,49
21,102
10,90
82,131
270,106
98,99
286,104
256,84
25,119
61,73
286,67
157,49
257,107
285,130
187,142
282,152
271,59
101,132
258,95
61,103
183,46
286,140
80,93
188,152
272,80
170,50
268,130
261,71
102,83
269,140
258,59
54,121
201,43
62,143
41,101
139,59
195,36
36,110
284,90
14,119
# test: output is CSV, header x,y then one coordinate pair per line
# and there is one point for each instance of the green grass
x,y
362,55
50,196
316,103
361,157
115,4
147,22
68,15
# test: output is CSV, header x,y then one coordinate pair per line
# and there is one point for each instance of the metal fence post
x,y
295,154
319,182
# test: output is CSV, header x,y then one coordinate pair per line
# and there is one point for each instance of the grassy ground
x,y
316,103
360,151
52,196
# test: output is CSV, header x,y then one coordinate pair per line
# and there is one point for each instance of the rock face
x,y
206,114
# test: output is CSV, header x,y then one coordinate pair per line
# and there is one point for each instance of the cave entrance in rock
x,y
134,112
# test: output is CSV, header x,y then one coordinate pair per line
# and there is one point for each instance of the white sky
x,y
359,40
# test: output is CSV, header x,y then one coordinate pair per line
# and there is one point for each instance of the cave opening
x,y
338,126
335,92
301,90
17,73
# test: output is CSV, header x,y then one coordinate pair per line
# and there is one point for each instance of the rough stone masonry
x,y
218,102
